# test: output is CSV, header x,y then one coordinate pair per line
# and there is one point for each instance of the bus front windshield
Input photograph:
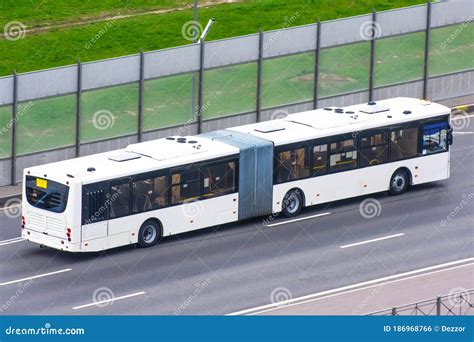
x,y
46,194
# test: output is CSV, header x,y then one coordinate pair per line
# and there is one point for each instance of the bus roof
x,y
134,159
338,120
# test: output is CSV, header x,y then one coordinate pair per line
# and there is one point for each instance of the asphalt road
x,y
240,266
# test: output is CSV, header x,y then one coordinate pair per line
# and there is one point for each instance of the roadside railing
x,y
457,303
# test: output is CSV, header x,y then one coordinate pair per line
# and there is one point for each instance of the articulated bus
x,y
150,190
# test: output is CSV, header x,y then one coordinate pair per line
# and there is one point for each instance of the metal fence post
x,y
78,108
258,103
316,64
372,55
427,50
438,306
14,122
141,88
200,82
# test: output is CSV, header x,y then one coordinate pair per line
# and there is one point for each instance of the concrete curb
x,y
458,110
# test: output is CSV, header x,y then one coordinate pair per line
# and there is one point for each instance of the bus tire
x,y
149,234
399,182
292,203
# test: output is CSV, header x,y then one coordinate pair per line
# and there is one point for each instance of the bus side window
x,y
343,155
95,210
293,164
403,144
185,185
119,200
149,194
219,179
373,149
320,155
435,138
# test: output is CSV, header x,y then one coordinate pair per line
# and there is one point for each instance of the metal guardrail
x,y
458,303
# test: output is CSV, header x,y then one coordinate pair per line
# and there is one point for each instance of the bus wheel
x,y
149,234
399,182
292,203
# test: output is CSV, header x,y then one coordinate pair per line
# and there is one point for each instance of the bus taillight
x,y
23,222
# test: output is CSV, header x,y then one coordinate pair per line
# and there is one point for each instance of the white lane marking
x,y
373,240
461,133
296,220
8,240
36,276
10,207
314,296
108,300
462,148
3,243
461,117
361,289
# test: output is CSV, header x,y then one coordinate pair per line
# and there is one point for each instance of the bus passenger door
x,y
94,211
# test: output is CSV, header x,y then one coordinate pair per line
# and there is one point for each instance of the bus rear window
x,y
46,194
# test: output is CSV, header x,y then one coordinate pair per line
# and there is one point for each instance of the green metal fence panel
x,y
288,79
229,90
452,49
344,69
45,124
6,123
109,112
399,59
168,101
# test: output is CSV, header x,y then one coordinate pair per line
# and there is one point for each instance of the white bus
x,y
168,186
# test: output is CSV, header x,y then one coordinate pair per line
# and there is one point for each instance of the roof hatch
x,y
125,156
271,127
373,108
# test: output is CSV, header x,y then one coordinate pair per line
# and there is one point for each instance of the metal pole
x,y
141,88
438,306
372,55
259,75
14,122
200,82
427,50
78,108
193,83
316,64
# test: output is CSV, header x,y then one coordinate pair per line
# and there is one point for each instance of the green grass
x,y
452,49
345,69
229,90
5,131
167,101
109,112
34,13
63,46
46,124
287,79
399,59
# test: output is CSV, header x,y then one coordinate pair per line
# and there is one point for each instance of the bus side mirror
x,y
450,136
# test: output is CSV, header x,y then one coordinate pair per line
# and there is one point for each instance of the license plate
x,y
41,183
